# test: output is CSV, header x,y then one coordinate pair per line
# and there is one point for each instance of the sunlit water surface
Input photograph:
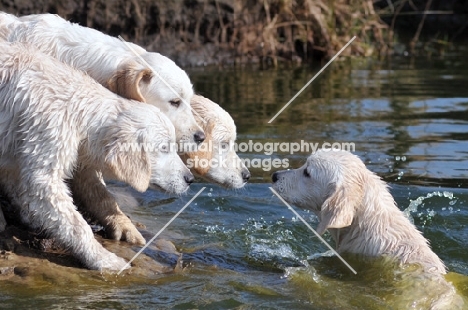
x,y
244,249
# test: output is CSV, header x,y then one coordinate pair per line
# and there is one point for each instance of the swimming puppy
x,y
356,207
53,117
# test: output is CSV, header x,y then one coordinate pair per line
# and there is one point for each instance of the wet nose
x,y
274,177
199,137
189,178
245,175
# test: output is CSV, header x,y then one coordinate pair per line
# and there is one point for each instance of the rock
x,y
6,272
30,258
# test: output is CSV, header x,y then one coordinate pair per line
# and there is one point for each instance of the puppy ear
x,y
130,165
339,209
126,81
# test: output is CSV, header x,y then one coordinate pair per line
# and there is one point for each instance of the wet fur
x,y
220,131
53,120
112,64
356,207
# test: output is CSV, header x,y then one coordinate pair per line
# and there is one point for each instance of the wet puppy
x,y
356,207
53,117
115,66
216,159
112,63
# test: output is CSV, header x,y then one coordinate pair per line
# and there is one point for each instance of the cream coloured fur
x,y
53,117
356,207
63,43
226,167
110,62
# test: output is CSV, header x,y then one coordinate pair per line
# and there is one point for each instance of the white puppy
x,y
110,62
51,117
216,160
114,65
356,207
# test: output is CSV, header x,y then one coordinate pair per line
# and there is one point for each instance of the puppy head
x,y
162,84
331,184
216,159
141,152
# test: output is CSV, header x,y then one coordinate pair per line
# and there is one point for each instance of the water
x,y
408,119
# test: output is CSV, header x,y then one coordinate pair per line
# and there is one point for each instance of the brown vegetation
x,y
198,32
227,31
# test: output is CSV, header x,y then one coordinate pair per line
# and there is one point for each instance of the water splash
x,y
307,271
276,242
428,214
211,229
265,249
400,158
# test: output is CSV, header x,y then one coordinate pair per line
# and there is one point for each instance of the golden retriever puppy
x,y
356,207
216,159
53,117
110,62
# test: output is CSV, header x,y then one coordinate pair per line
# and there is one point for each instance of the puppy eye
x,y
175,102
306,173
164,147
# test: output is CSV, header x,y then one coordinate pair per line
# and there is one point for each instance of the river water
x,y
243,249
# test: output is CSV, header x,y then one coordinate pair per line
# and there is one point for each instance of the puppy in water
x,y
356,207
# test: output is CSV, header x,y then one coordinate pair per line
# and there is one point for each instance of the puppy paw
x,y
110,262
120,227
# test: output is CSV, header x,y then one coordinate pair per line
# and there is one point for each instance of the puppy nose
x,y
245,175
199,137
189,178
274,177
